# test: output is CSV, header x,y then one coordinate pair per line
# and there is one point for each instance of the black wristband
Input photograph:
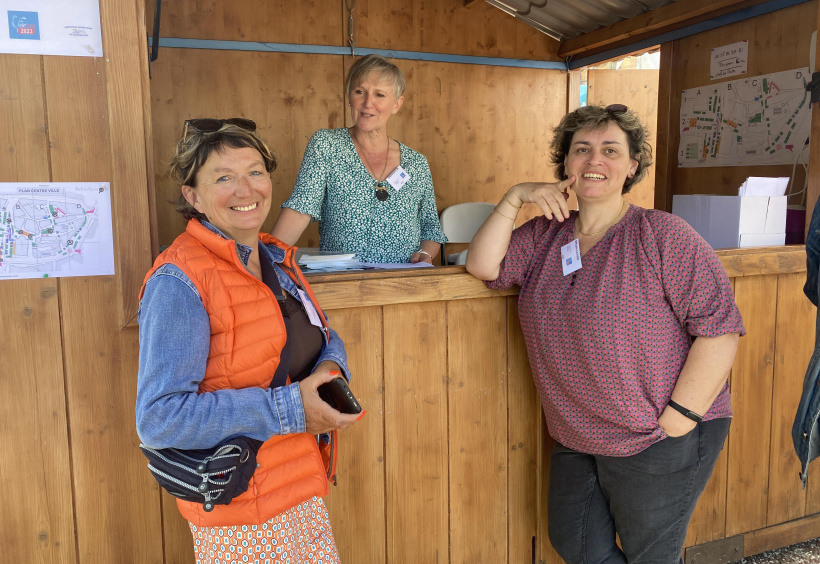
x,y
685,412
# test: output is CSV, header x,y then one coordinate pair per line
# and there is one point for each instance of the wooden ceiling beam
x,y
656,22
468,2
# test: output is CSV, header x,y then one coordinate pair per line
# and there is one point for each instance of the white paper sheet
x,y
51,27
764,186
55,230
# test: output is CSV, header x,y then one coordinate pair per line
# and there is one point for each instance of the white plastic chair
x,y
459,223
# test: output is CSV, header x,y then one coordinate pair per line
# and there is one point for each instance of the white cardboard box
x,y
734,221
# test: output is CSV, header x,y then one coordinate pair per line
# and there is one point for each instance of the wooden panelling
x,y
37,523
307,22
523,423
482,128
794,343
784,534
478,433
419,25
438,26
357,503
289,96
777,42
638,89
361,293
178,545
24,157
100,358
665,151
751,383
763,260
454,114
125,49
416,433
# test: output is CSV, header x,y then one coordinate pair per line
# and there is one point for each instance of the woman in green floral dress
x,y
372,195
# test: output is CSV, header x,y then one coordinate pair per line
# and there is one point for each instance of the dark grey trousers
x,y
647,498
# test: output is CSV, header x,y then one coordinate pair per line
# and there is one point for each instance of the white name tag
x,y
398,178
571,257
312,314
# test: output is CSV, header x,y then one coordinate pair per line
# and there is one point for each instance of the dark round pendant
x,y
382,194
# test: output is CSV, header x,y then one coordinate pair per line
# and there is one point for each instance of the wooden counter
x,y
450,464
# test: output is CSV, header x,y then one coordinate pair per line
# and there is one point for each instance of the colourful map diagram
x,y
49,230
762,120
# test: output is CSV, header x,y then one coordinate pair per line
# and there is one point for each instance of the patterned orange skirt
x,y
299,535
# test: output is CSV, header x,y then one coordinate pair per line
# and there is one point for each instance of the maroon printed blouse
x,y
606,343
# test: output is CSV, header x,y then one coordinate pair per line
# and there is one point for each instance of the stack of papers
x,y
321,261
763,186
315,260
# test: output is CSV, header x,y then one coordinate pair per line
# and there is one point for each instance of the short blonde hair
x,y
194,148
379,65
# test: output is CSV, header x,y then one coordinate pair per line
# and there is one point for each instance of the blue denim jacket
x,y
174,333
805,434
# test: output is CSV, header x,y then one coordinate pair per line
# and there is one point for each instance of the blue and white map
x,y
49,230
761,120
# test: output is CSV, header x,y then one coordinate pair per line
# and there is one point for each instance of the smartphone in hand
x,y
338,395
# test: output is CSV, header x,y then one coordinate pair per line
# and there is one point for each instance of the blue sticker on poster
x,y
23,25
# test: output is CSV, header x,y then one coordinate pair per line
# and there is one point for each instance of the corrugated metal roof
x,y
565,19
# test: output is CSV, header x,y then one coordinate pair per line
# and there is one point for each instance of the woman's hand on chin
x,y
319,416
550,197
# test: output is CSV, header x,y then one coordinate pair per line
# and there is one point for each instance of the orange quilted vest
x,y
247,337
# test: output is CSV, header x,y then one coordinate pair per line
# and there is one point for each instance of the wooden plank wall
x,y
67,350
638,89
778,41
482,128
453,445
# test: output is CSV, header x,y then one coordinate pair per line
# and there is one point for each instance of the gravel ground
x,y
802,553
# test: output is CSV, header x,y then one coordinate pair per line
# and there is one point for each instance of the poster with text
x,y
51,27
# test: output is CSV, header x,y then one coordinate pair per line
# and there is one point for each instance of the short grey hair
x,y
380,66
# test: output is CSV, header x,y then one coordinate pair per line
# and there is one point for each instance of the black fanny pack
x,y
211,476
214,476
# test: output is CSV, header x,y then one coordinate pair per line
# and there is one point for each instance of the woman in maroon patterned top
x,y
631,330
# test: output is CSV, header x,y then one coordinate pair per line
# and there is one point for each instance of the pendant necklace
x,y
607,226
381,187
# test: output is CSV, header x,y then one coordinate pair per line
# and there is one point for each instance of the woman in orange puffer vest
x,y
212,333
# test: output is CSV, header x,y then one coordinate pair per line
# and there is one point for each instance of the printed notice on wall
x,y
761,120
51,27
54,229
729,60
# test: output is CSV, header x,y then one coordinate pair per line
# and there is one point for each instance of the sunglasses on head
x,y
210,125
616,108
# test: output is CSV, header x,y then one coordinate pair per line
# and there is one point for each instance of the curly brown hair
x,y
194,148
598,117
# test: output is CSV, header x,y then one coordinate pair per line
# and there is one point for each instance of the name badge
x,y
312,314
398,178
571,257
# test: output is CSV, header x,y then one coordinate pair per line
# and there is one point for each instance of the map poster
x,y
55,229
51,27
762,120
